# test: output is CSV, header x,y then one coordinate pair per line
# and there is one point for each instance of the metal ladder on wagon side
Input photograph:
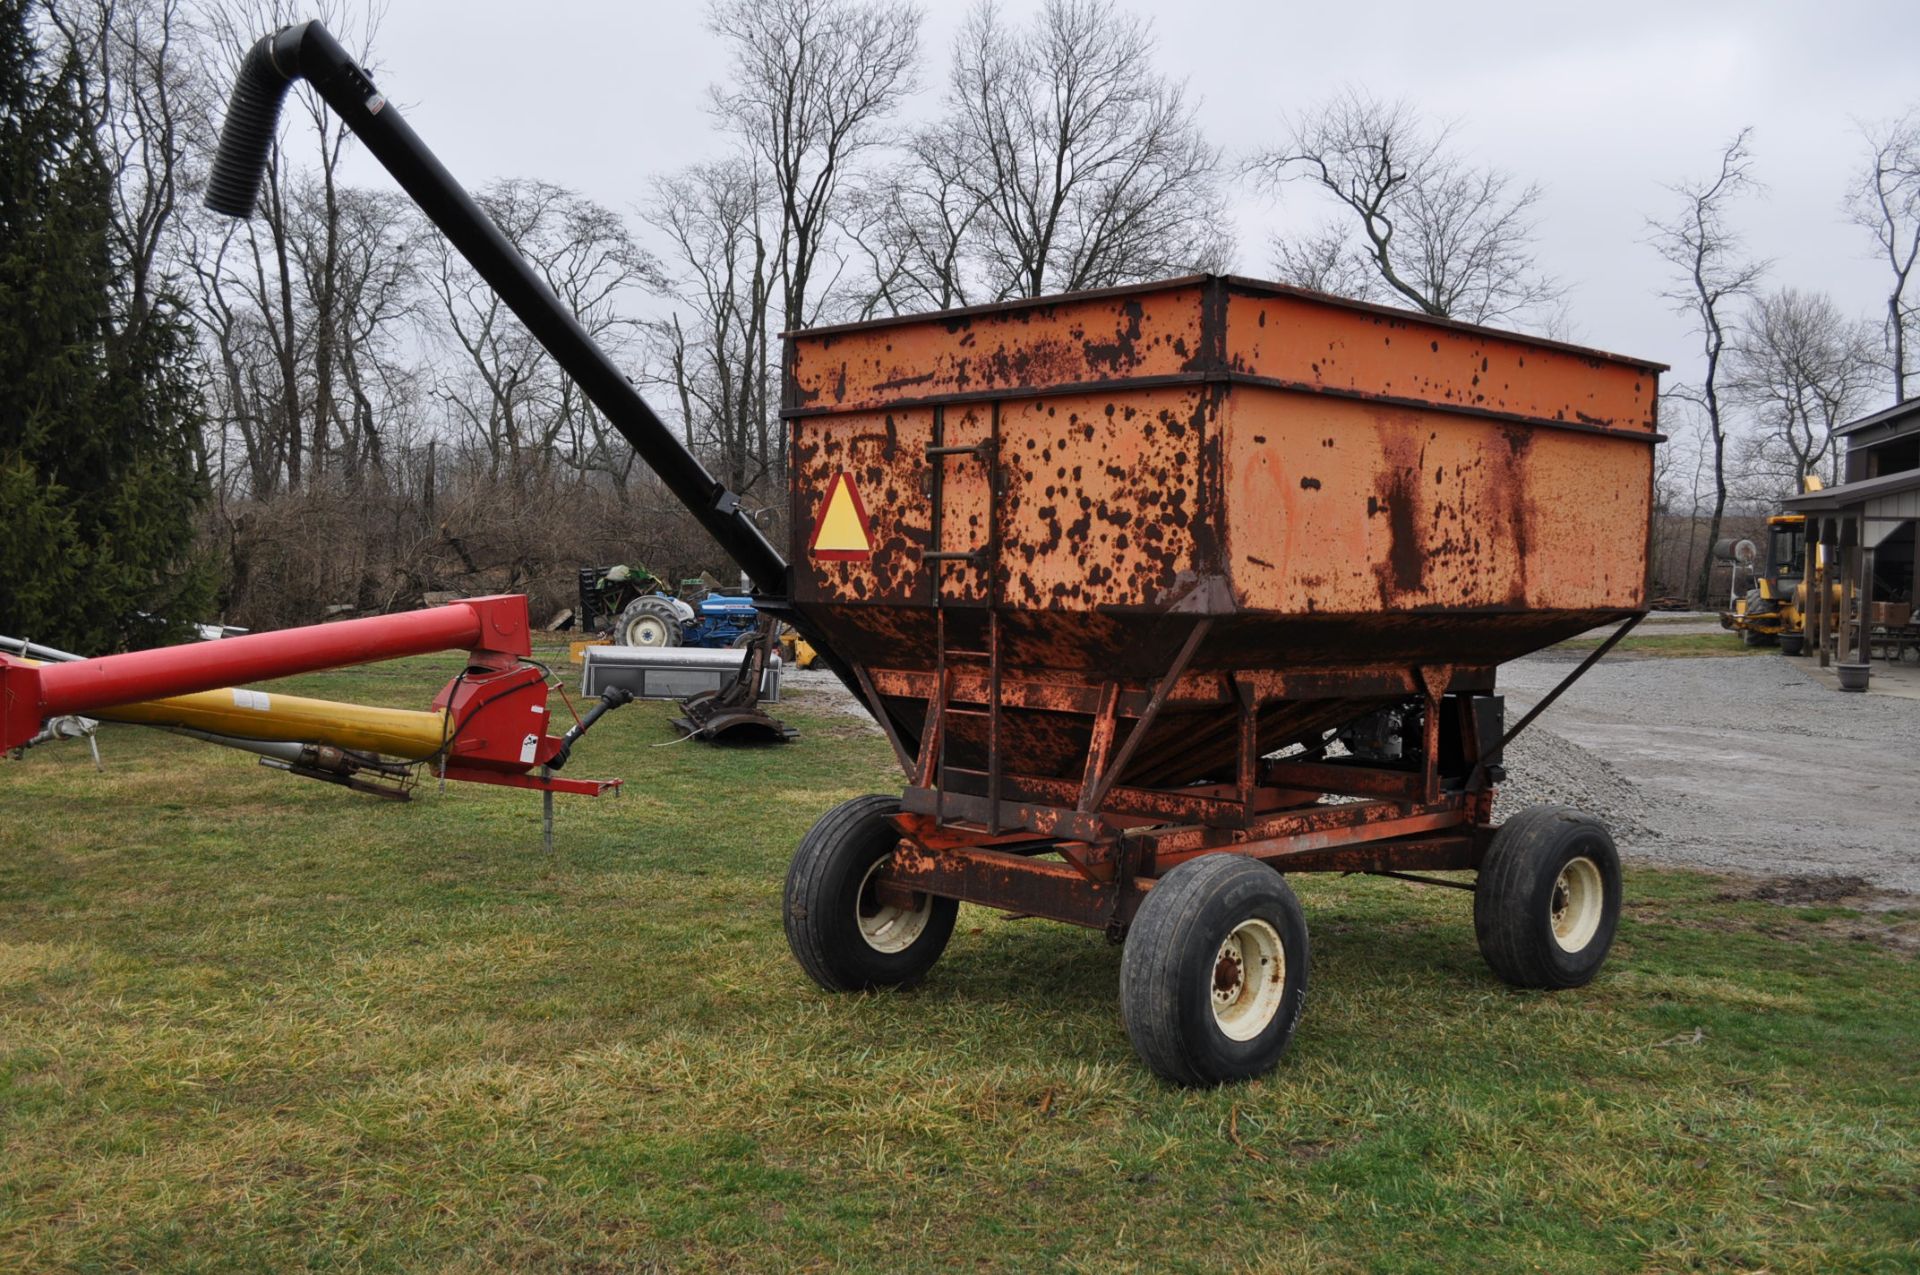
x,y
984,559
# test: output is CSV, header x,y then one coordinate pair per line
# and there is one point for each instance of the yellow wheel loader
x,y
1775,607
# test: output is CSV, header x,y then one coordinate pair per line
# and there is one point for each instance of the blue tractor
x,y
633,606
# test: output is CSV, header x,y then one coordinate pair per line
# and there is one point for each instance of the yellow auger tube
x,y
392,732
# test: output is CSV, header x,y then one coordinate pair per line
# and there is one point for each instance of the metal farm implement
x,y
1159,593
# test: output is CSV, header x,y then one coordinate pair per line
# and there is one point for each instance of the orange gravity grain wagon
x,y
1161,584
1159,593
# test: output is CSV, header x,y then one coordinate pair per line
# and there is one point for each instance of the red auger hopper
x,y
1159,593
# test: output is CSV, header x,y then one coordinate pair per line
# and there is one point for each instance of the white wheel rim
x,y
647,632
1249,978
1576,903
885,926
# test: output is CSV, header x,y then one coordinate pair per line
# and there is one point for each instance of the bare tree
x,y
136,68
1422,225
1710,273
509,395
1885,201
811,82
1800,368
287,261
915,222
1325,261
711,353
378,252
1679,479
1089,165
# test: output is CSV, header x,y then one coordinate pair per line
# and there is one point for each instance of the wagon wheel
x,y
1548,898
1214,973
648,621
844,932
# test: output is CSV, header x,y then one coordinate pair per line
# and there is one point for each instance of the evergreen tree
x,y
101,471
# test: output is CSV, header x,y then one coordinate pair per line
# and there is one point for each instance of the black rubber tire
x,y
1748,636
823,902
656,608
741,641
1167,969
1514,898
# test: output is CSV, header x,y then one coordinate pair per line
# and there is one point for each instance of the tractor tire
x,y
1547,901
1214,973
648,621
840,932
741,641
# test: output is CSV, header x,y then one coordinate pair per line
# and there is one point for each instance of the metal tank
x,y
1213,479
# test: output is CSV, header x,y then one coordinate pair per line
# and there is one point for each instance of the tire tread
x,y
1507,931
1162,932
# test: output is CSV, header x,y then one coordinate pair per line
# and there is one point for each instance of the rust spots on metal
x,y
1072,341
1121,353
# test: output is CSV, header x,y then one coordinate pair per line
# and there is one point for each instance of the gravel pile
x,y
1545,769
822,690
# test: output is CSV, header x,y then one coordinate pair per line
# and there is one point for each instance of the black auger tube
x,y
308,52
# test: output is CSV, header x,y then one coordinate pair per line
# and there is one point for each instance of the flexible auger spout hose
x,y
254,110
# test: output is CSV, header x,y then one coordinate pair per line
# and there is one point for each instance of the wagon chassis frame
x,y
1087,852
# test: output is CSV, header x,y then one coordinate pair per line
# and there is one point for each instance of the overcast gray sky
x,y
1600,103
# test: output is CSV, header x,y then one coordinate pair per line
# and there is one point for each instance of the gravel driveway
x,y
1740,764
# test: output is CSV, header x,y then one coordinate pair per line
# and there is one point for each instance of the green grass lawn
x,y
249,1022
1672,645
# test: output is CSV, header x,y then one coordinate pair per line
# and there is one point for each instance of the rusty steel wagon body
x,y
1154,591
1209,566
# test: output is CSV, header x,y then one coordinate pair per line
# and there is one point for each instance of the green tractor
x,y
631,605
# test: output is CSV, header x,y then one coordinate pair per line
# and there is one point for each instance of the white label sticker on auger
x,y
528,747
259,700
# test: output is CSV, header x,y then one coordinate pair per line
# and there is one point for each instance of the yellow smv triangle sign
x,y
841,532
